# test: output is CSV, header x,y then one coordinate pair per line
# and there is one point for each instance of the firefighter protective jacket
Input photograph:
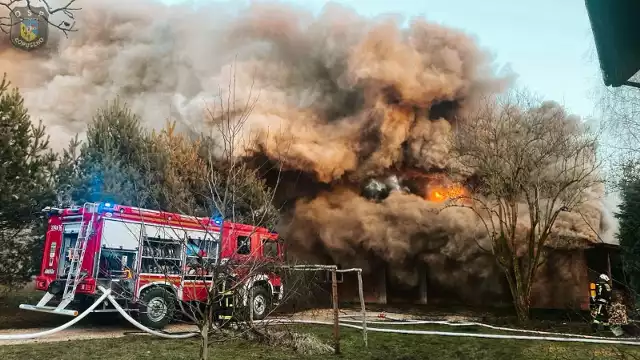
x,y
603,293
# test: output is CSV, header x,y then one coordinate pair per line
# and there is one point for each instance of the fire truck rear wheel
x,y
261,302
157,308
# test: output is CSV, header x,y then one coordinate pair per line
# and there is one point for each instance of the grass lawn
x,y
382,346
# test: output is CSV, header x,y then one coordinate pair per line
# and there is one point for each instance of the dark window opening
x,y
597,263
244,245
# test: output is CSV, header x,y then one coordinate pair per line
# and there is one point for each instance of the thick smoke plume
x,y
364,107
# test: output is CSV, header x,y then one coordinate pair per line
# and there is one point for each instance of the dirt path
x,y
79,333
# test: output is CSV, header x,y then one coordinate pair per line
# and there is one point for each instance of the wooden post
x,y
336,314
422,273
364,311
382,287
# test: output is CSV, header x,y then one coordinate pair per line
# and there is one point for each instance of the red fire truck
x,y
146,257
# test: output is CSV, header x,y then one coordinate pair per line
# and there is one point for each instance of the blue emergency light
x,y
106,206
217,218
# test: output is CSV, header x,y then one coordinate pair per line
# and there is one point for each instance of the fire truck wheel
x,y
261,302
157,308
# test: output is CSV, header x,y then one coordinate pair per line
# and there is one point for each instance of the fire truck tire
x,y
157,307
261,302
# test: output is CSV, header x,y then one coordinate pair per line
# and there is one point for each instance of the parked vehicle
x,y
151,259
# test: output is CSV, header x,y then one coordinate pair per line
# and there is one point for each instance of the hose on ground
x,y
450,323
106,294
475,335
128,317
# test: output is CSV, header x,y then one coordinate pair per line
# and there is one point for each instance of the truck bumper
x,y
49,309
42,306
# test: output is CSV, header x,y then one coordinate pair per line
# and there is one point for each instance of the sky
x,y
548,43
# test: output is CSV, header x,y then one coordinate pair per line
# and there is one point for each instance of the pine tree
x,y
629,223
26,185
113,164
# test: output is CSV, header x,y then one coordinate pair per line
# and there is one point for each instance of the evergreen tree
x,y
629,223
26,186
113,163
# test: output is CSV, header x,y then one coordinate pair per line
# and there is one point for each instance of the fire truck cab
x,y
151,260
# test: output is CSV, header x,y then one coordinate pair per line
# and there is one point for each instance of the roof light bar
x,y
106,206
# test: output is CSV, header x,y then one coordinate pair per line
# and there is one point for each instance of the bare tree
x,y
67,10
207,175
620,107
619,113
532,162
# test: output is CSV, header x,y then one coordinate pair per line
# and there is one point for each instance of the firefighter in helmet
x,y
601,301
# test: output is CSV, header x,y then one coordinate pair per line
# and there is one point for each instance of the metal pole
x,y
364,311
336,314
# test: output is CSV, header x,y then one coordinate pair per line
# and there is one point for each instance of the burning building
x,y
435,263
562,281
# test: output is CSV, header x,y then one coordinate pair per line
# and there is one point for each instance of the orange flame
x,y
441,193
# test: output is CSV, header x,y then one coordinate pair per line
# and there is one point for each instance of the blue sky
x,y
548,43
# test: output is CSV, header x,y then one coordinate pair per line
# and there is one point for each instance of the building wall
x,y
562,282
374,288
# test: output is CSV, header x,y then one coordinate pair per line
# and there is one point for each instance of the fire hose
x,y
558,337
144,328
106,295
452,323
475,335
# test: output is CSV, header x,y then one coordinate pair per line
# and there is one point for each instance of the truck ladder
x,y
74,276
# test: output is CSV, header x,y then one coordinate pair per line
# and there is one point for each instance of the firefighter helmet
x,y
604,277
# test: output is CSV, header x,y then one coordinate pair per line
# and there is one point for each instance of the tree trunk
x,y
522,303
204,336
520,293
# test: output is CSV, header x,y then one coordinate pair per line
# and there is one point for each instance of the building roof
x,y
616,32
605,245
